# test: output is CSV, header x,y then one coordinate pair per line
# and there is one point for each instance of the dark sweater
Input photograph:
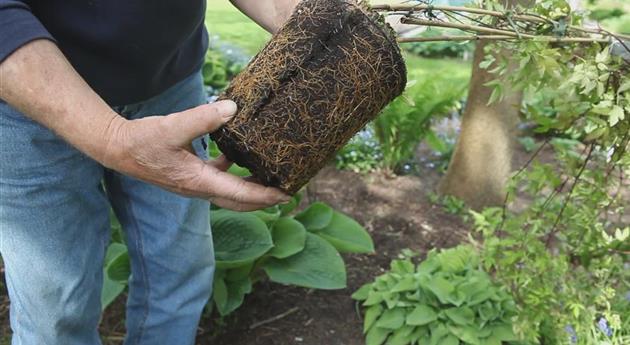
x,y
127,50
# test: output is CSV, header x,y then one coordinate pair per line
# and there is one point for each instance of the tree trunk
x,y
482,160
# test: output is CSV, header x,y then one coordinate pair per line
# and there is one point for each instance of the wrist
x,y
113,146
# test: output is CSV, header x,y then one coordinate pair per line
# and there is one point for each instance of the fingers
x,y
199,121
221,163
236,206
227,186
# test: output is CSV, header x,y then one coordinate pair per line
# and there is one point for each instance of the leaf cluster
x,y
446,299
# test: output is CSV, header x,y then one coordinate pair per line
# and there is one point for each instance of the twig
x,y
499,34
275,318
465,27
520,171
569,195
519,17
501,38
453,38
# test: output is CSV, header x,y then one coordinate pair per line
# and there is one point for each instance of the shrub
x,y
361,154
406,121
221,64
445,300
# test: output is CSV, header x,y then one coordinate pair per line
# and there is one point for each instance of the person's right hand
x,y
158,150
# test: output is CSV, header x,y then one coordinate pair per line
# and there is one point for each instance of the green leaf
x,y
345,234
371,315
239,273
362,293
461,316
421,315
438,332
220,293
616,114
374,297
268,217
440,287
466,334
503,332
114,250
376,336
318,266
401,336
236,291
291,205
289,237
487,311
110,290
407,283
239,238
118,269
315,217
450,340
391,319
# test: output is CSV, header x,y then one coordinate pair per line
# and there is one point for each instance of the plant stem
x,y
518,17
501,38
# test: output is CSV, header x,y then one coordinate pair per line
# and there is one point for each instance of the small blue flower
x,y
603,326
573,336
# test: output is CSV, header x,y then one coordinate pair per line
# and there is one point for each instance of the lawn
x,y
225,21
230,25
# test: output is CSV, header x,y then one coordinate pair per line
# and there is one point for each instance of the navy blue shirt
x,y
126,50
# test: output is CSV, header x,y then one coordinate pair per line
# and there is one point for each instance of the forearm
x,y
270,14
39,81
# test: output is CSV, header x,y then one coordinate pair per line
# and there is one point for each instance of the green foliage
x,y
451,204
406,121
439,49
301,249
446,299
562,254
218,68
361,154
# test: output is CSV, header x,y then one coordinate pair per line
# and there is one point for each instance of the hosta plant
x,y
445,300
301,249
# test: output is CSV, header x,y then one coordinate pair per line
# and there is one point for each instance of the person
x,y
102,104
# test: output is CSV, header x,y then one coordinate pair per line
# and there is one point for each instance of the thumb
x,y
201,120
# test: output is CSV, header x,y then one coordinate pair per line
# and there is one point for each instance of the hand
x,y
158,150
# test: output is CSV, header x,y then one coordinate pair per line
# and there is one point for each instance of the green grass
x,y
225,21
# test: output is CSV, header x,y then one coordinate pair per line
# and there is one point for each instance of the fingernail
x,y
227,108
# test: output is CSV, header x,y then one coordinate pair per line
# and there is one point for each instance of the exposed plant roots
x,y
330,69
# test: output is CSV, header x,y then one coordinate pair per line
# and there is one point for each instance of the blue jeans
x,y
54,229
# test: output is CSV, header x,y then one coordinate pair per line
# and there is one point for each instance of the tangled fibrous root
x,y
328,71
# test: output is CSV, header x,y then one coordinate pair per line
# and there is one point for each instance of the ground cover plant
x,y
446,299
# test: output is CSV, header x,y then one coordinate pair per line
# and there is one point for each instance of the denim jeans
x,y
54,229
